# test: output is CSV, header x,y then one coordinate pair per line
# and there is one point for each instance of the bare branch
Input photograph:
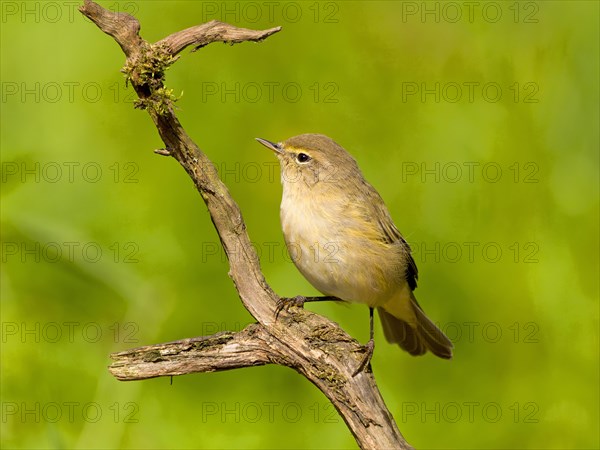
x,y
213,31
310,344
123,27
221,351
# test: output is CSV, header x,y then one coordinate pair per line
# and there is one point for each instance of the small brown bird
x,y
341,237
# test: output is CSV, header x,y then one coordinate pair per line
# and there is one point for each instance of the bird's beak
x,y
270,145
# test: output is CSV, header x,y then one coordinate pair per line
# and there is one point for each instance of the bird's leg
x,y
299,301
366,362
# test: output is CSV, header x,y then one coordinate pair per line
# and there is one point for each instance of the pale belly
x,y
337,261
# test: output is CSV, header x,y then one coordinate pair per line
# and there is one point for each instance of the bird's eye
x,y
302,158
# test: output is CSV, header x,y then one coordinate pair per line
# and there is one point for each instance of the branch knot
x,y
306,342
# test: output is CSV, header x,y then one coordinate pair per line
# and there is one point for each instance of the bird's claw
x,y
366,362
286,303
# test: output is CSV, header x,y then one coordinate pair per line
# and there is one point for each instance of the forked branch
x,y
306,342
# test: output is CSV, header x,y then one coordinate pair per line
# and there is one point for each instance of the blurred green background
x,y
476,121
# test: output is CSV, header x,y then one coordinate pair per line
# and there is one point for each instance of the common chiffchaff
x,y
341,237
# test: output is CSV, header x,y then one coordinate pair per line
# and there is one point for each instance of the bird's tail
x,y
415,334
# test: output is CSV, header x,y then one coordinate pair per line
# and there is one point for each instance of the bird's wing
x,y
412,273
391,235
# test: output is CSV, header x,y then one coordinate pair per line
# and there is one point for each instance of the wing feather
x,y
390,234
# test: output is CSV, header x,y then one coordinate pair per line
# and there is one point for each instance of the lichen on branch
x,y
309,343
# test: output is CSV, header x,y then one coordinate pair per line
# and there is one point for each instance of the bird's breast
x,y
329,246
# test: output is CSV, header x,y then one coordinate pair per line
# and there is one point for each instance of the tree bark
x,y
311,344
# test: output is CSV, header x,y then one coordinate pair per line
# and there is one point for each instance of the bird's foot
x,y
287,302
365,364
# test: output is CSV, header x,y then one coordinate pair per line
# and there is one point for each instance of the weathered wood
x,y
311,344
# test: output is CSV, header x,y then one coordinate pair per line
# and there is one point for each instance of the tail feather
x,y
399,332
418,336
